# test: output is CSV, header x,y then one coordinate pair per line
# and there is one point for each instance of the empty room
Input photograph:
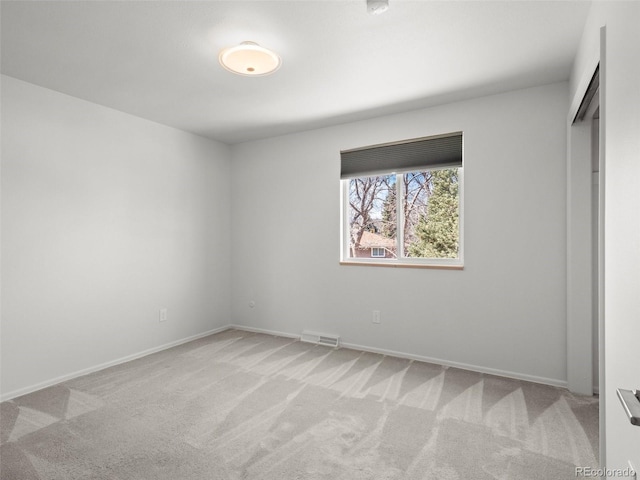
x,y
351,239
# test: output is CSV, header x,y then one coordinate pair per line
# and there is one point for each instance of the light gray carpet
x,y
239,405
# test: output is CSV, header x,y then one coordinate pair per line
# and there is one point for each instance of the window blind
x,y
409,155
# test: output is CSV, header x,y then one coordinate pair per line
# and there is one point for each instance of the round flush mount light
x,y
249,59
376,7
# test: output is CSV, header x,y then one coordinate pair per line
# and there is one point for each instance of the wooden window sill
x,y
403,265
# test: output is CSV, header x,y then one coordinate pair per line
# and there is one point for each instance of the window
x,y
409,217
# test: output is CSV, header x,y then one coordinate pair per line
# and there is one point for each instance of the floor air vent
x,y
320,339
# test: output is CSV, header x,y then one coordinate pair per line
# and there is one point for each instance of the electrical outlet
x,y
163,314
376,316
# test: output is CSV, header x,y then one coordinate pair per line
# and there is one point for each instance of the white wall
x,y
106,218
505,311
620,122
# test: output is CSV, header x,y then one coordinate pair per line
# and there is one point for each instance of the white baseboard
x,y
438,361
464,366
262,330
421,358
102,366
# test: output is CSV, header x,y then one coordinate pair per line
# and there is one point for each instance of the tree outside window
x,y
424,224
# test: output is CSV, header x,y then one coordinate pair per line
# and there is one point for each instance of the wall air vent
x,y
320,339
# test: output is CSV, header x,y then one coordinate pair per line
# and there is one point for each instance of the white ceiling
x,y
158,60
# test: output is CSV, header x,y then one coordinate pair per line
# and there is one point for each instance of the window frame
x,y
411,262
379,249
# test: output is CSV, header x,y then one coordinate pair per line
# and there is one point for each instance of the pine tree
x,y
437,231
389,215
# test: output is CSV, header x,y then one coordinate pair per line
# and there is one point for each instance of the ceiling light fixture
x,y
376,7
249,59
